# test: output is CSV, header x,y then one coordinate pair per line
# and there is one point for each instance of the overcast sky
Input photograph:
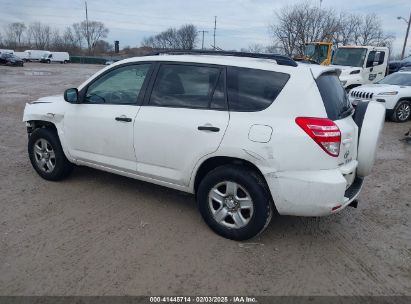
x,y
239,22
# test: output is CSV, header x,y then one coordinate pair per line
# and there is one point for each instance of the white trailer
x,y
35,55
49,57
360,64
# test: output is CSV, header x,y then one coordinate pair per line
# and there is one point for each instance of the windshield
x,y
349,57
403,79
316,52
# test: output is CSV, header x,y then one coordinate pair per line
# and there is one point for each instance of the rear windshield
x,y
251,90
334,96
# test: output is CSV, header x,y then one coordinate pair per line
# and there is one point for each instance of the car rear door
x,y
339,110
183,118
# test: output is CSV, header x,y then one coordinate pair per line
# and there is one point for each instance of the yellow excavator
x,y
317,52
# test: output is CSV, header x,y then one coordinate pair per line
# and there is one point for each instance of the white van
x,y
22,55
49,57
360,64
5,51
34,55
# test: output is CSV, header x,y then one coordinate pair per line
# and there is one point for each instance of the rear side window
x,y
334,96
251,90
185,86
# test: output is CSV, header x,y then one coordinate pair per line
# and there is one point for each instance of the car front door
x,y
99,130
376,64
182,120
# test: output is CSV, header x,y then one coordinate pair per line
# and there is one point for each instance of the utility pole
x,y
88,34
215,28
202,44
406,34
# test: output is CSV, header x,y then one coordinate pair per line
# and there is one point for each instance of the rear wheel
x,y
47,156
234,202
402,111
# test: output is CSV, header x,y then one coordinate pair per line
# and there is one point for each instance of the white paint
x,y
164,146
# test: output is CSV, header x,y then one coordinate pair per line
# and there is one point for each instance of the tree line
x,y
79,38
293,26
305,22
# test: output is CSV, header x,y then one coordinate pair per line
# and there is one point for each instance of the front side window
x,y
375,58
119,86
251,90
184,86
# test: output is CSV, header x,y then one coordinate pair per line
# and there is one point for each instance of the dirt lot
x,y
101,234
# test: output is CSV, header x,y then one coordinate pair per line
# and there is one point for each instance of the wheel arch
x,y
211,163
36,124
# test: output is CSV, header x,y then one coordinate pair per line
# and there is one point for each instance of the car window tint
x,y
219,101
119,86
184,86
252,90
334,97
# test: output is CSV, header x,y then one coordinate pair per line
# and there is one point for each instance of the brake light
x,y
323,131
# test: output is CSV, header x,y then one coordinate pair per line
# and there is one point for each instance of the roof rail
x,y
280,59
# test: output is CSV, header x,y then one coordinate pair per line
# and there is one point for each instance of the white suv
x,y
247,136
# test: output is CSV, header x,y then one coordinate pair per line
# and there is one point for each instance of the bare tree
x,y
348,32
255,48
14,33
371,32
39,35
183,38
91,31
305,22
187,36
103,47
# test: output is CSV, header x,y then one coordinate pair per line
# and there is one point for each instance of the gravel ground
x,y
101,234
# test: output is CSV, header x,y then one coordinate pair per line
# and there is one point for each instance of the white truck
x,y
49,57
360,64
34,55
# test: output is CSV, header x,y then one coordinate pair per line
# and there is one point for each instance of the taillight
x,y
323,131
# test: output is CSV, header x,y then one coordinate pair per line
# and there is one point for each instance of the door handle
x,y
123,118
208,128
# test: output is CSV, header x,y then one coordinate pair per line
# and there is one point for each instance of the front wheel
x,y
402,111
47,156
235,202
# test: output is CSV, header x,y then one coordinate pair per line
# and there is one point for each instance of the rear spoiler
x,y
317,70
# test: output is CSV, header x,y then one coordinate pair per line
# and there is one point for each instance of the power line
x,y
202,44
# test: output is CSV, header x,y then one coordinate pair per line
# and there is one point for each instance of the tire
x,y
42,143
232,217
402,111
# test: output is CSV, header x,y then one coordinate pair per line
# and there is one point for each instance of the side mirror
x,y
71,95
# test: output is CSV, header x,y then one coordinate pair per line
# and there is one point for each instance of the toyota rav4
x,y
250,135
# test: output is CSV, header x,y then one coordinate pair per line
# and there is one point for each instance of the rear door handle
x,y
209,128
123,118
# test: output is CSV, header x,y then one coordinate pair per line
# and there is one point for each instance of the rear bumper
x,y
313,193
